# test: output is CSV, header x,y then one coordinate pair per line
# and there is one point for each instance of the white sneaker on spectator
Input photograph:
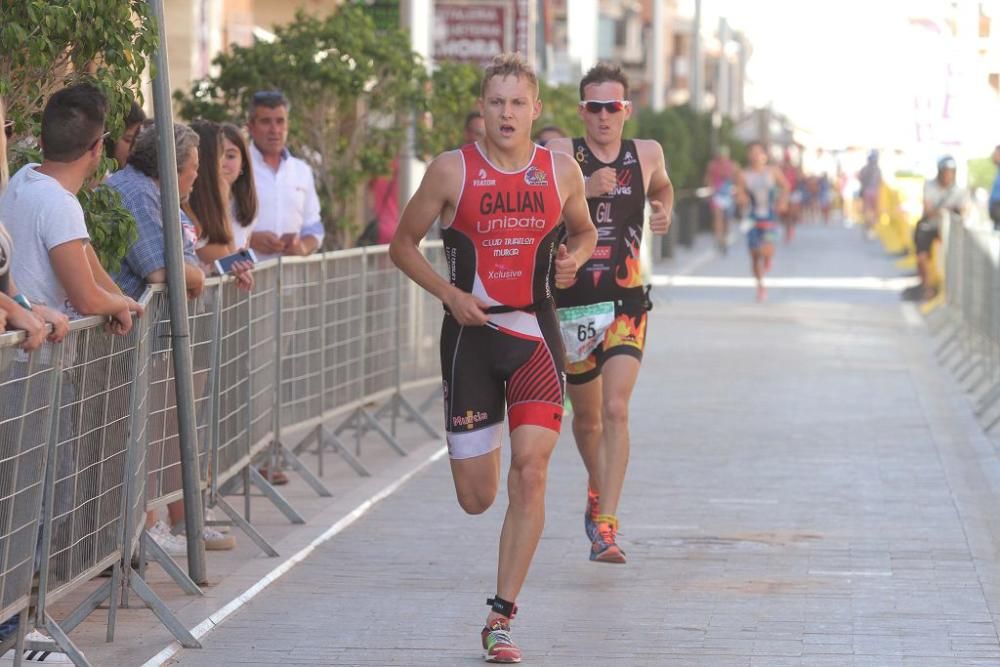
x,y
216,541
175,545
32,657
210,516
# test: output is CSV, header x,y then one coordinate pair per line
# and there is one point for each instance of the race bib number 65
x,y
583,328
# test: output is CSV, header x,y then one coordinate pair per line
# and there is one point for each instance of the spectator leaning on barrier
x,y
18,312
145,262
238,188
994,205
139,185
207,206
120,147
56,265
942,199
13,313
288,221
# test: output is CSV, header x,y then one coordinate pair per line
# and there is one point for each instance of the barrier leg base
x,y
325,436
64,643
376,426
964,370
326,439
971,376
153,601
362,422
88,606
246,527
116,587
412,414
274,496
988,400
988,426
304,472
946,344
425,405
180,577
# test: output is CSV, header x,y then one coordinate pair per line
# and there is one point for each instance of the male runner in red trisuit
x,y
500,201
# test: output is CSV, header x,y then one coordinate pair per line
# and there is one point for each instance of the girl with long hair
x,y
238,185
207,205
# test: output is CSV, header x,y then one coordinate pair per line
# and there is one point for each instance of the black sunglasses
x,y
611,106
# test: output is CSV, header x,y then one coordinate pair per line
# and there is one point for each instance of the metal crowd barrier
x,y
968,320
88,428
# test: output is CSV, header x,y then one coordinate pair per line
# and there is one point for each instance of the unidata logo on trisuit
x,y
483,182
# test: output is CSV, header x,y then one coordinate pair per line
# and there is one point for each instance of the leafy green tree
x,y
982,171
351,87
686,137
45,46
669,129
454,89
559,105
454,92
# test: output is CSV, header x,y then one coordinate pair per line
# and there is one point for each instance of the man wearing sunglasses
x,y
500,201
603,313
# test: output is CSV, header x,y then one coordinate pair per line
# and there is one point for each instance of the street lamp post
x,y
658,70
696,59
417,18
179,332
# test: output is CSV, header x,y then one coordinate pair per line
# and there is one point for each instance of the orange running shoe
x,y
590,515
605,549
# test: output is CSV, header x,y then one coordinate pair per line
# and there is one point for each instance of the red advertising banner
x,y
474,31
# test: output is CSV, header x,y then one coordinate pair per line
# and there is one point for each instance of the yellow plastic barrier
x,y
885,226
900,204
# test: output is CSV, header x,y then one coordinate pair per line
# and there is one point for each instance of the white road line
x,y
849,573
862,283
743,501
222,614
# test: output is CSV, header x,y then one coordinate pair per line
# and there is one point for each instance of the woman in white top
x,y
238,184
207,206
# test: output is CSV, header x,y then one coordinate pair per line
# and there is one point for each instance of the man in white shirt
x,y
943,200
288,217
54,262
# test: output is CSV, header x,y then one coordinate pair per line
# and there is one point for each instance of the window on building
x,y
606,38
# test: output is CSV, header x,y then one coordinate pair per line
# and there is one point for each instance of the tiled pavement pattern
x,y
807,487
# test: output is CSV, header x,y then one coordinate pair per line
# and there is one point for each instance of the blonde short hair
x,y
508,64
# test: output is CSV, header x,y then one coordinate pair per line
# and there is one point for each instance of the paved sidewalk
x,y
807,487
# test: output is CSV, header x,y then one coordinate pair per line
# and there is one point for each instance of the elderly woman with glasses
x,y
139,185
